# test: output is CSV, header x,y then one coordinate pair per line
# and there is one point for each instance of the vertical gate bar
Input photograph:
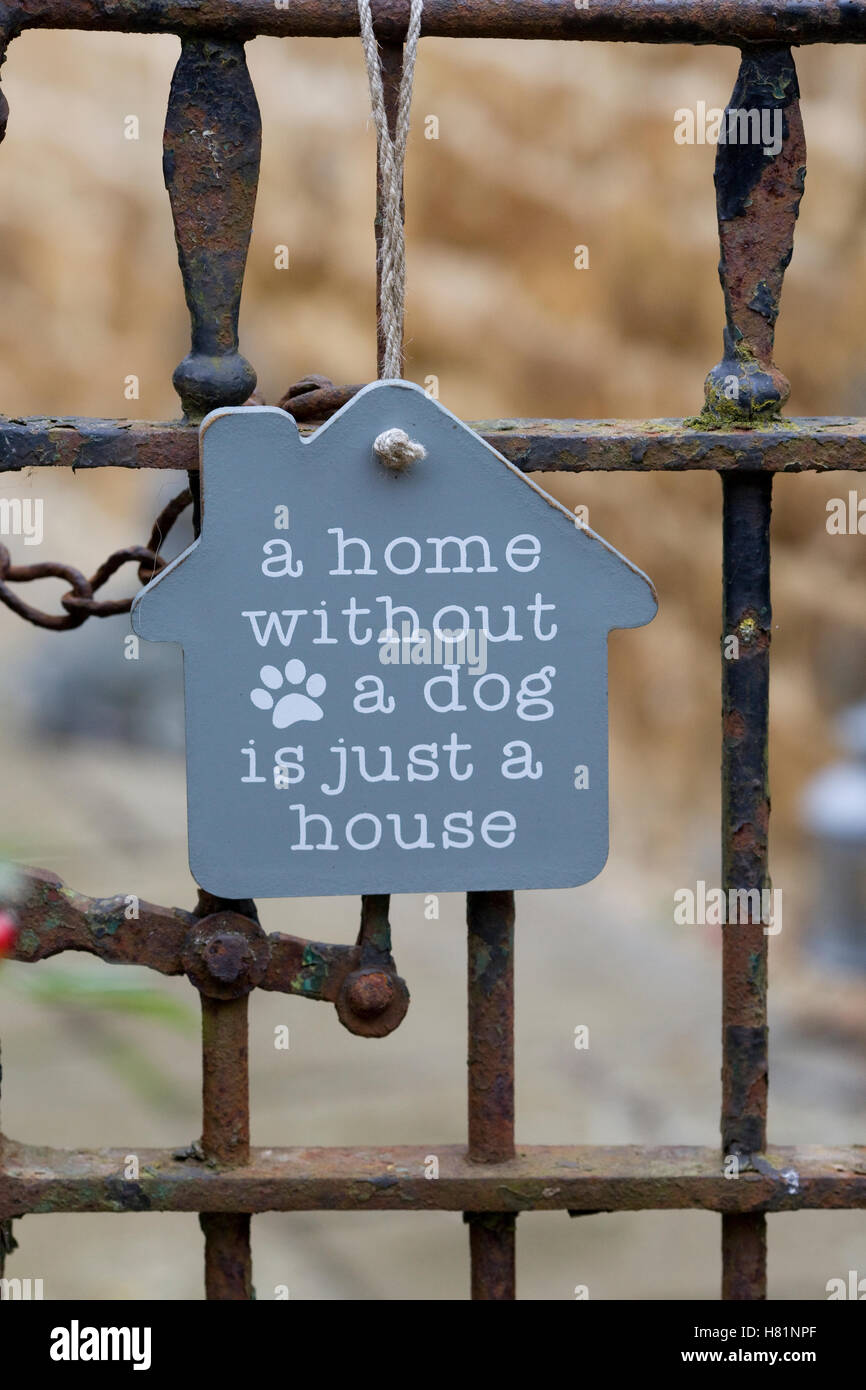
x,y
225,1081
228,1274
226,1141
490,1061
745,817
225,1138
211,153
758,198
227,1262
492,1263
490,918
744,1256
758,192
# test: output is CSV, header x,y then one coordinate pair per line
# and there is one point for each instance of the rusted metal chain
x,y
79,601
313,398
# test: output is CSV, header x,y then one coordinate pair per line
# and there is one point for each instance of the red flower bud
x,y
8,933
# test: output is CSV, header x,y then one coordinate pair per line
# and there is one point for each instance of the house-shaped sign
x,y
395,680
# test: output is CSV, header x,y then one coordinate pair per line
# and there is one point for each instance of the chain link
x,y
313,398
79,601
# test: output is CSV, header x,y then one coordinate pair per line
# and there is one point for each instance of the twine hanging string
x,y
392,157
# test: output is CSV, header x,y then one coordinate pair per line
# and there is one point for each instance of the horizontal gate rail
x,y
810,444
627,21
585,1179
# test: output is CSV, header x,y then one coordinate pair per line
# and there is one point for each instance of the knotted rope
x,y
392,157
394,447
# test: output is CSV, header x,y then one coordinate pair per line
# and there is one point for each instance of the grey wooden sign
x,y
396,681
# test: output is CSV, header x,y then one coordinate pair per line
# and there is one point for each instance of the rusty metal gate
x,y
219,945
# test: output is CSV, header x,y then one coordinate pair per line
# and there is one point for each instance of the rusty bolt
x,y
370,993
372,1003
226,955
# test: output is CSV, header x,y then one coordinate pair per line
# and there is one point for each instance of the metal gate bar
x,y
627,21
580,1178
490,955
805,445
489,1180
745,815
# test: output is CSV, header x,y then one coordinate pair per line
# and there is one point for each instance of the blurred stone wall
x,y
540,147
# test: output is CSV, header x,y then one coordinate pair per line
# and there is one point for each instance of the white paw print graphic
x,y
294,706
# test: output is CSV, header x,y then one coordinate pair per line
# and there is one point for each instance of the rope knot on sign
x,y
396,450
